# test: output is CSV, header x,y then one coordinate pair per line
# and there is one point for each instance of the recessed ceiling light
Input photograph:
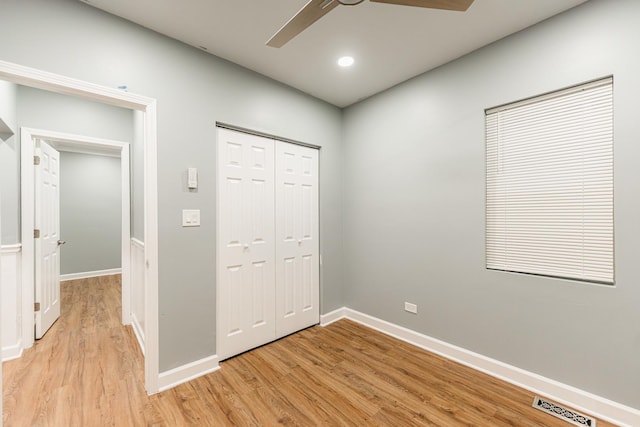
x,y
346,61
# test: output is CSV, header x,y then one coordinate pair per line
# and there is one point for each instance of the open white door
x,y
47,237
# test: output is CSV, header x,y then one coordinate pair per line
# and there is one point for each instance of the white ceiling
x,y
389,43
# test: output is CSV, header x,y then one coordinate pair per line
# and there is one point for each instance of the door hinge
x,y
36,307
36,234
36,160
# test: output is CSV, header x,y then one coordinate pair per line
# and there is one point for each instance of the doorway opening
x,y
33,283
65,85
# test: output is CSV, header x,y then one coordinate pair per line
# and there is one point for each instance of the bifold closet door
x,y
268,269
297,242
246,243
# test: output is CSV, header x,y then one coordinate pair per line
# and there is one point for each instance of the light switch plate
x,y
191,217
192,178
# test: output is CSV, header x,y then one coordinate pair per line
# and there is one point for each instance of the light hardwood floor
x,y
88,371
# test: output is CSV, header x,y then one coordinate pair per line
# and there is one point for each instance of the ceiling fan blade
x,y
459,5
309,14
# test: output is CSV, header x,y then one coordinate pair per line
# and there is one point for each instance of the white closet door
x,y
297,240
246,245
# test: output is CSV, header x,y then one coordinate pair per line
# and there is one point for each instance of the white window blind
x,y
549,207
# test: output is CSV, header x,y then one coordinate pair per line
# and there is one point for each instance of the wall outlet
x,y
191,217
411,308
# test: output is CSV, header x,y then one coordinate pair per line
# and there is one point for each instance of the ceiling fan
x,y
316,9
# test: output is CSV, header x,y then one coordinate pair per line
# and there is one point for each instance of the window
x,y
549,206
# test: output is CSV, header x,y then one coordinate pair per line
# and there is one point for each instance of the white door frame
x,y
68,86
1,381
78,144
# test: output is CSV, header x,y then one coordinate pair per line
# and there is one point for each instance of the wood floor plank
x,y
88,371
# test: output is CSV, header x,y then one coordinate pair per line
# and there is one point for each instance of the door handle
x,y
61,242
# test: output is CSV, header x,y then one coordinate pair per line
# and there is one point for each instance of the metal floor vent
x,y
563,413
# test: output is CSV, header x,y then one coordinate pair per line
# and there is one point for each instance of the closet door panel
x,y
297,240
246,242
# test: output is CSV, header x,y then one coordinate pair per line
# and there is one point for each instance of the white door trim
x,y
77,144
1,380
65,85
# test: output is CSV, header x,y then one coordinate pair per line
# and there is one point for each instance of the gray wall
x,y
9,170
90,212
47,111
194,90
414,207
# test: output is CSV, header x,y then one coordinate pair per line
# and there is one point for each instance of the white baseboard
x,y
89,274
138,331
599,407
188,372
333,316
12,352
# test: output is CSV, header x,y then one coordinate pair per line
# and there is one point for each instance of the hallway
x,y
87,370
